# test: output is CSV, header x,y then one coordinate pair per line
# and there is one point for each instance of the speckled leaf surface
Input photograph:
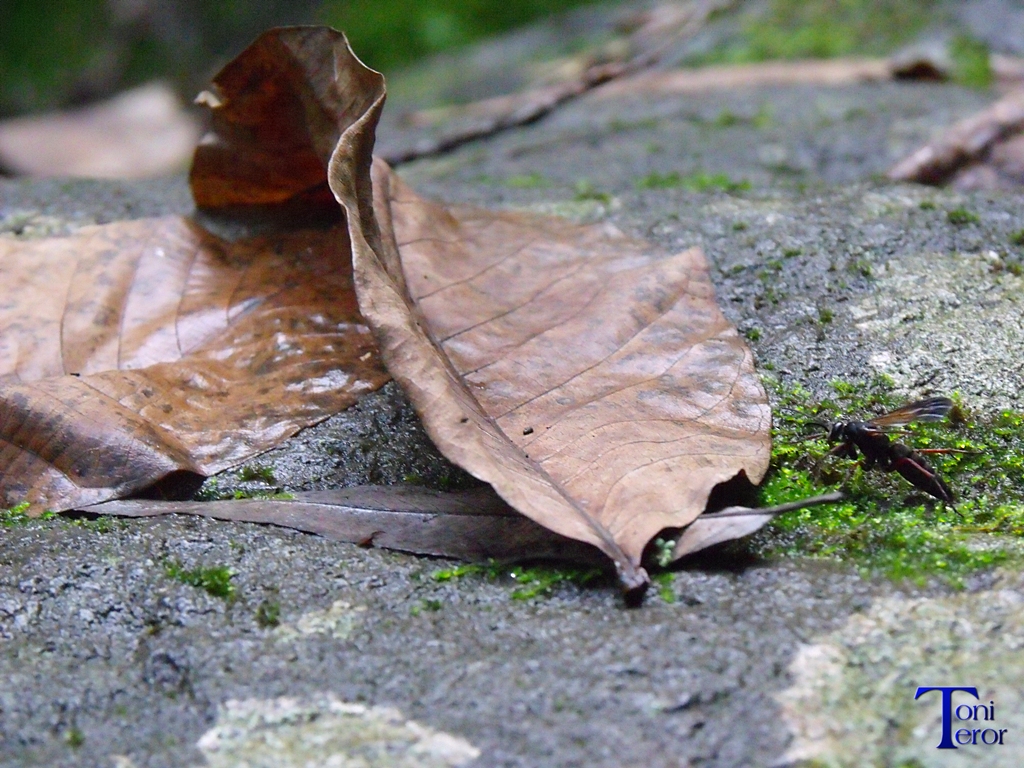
x,y
142,349
154,352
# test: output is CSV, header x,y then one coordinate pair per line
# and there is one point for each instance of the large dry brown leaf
x,y
152,351
594,384
139,349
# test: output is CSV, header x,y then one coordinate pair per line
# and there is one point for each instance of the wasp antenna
x,y
823,426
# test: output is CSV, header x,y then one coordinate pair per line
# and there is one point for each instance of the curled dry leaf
x,y
146,349
278,111
152,351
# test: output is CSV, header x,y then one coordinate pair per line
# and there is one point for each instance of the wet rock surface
x,y
109,658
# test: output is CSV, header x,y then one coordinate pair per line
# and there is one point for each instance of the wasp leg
x,y
843,450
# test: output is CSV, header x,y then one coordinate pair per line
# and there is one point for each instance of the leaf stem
x,y
825,498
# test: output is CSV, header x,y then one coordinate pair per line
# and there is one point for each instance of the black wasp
x,y
868,437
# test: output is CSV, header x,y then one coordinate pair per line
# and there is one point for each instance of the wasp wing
x,y
929,409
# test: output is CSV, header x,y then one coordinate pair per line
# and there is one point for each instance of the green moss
x,y
1017,238
18,515
961,217
801,29
530,581
971,63
763,118
825,315
663,551
211,491
927,205
584,191
246,494
268,614
859,265
100,524
74,737
15,515
663,581
448,574
527,181
257,473
215,580
618,125
541,580
886,525
694,182
389,34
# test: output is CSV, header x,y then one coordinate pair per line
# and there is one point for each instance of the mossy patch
x,y
531,581
268,614
822,29
694,182
584,191
961,217
255,489
886,525
971,62
257,473
18,515
214,580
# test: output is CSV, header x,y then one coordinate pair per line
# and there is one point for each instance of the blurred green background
x,y
56,53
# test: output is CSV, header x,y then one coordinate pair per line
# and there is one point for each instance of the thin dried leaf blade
x,y
473,525
594,384
707,530
736,522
